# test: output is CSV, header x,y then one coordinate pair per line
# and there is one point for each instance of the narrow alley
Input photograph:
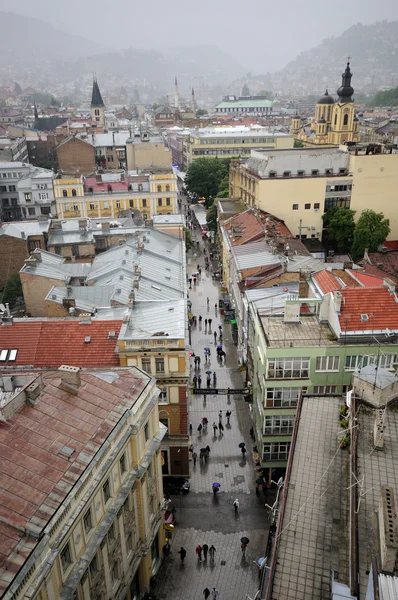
x,y
201,517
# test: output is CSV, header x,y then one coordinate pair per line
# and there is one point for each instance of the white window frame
x,y
276,451
325,389
327,363
282,397
278,424
163,395
385,361
288,368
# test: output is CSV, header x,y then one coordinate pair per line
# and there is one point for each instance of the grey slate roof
x,y
96,98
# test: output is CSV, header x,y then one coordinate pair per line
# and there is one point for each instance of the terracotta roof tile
x,y
326,281
55,343
250,225
378,303
366,280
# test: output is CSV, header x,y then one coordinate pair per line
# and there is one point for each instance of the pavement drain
x,y
223,563
226,466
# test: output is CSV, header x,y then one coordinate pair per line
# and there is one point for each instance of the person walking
x,y
194,457
214,593
236,505
214,379
205,322
215,308
199,381
195,381
200,427
199,552
208,301
243,450
220,416
212,552
206,593
205,551
243,548
198,359
210,322
190,429
215,428
221,428
215,337
228,415
200,318
208,381
182,552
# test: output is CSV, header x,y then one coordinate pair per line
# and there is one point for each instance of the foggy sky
x,y
263,34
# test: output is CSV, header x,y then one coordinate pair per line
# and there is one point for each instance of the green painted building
x,y
315,345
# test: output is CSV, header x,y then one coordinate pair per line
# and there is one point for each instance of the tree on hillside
x,y
17,88
211,217
201,112
204,176
340,225
385,98
245,90
370,231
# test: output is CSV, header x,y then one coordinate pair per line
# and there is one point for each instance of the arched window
x,y
140,187
130,187
74,193
167,188
335,119
65,193
109,188
159,188
345,122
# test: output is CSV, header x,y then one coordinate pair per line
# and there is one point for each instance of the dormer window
x,y
315,172
109,188
329,171
272,173
286,173
140,188
130,187
90,189
300,173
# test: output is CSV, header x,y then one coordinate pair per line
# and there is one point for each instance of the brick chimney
x,y
70,378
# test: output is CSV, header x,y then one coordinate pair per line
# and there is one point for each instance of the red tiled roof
x,y
251,225
326,281
372,270
367,280
31,466
377,302
391,245
56,343
102,186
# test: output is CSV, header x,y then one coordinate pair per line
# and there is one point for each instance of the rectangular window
x,y
31,211
34,244
28,197
43,196
87,521
300,173
327,363
276,451
386,361
307,206
163,395
286,173
168,202
11,188
45,210
122,463
340,202
288,368
92,206
146,365
278,424
110,158
118,204
131,203
94,567
106,490
295,207
282,397
159,202
314,172
316,205
146,432
159,365
76,207
325,389
66,559
144,202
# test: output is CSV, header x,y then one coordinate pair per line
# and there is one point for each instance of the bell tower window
x,y
345,122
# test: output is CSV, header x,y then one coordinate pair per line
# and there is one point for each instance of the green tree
x,y
201,112
188,239
204,176
298,144
385,98
17,87
211,217
340,224
371,230
12,290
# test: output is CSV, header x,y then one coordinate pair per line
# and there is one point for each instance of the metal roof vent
x,y
364,317
87,339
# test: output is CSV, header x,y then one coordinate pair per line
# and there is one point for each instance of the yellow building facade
x,y
335,122
106,532
72,202
300,186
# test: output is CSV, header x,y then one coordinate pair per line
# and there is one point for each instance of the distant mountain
x,y
374,61
205,63
26,41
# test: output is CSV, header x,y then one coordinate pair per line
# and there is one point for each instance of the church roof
x,y
96,98
326,99
346,91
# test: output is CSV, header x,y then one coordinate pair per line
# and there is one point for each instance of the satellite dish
x,y
2,308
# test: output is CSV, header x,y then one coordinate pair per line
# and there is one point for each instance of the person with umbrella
x,y
244,541
242,447
228,415
195,381
208,382
216,488
199,381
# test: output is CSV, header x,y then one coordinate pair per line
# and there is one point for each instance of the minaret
x,y
97,105
36,122
176,96
193,107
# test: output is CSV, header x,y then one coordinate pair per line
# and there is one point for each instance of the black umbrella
x,y
242,445
244,540
209,372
